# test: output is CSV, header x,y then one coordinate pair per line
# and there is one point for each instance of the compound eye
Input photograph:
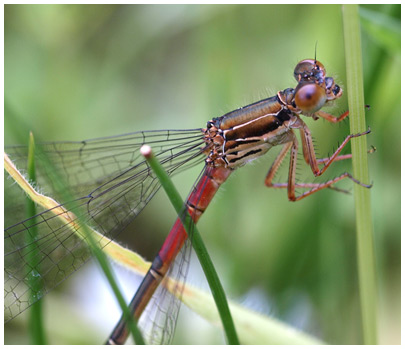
x,y
310,97
337,91
308,69
304,70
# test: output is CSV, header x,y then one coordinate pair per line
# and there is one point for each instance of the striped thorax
x,y
244,134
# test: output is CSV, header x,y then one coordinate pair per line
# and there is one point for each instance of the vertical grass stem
x,y
365,239
35,322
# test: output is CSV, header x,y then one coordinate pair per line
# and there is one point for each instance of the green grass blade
x,y
198,245
365,242
35,322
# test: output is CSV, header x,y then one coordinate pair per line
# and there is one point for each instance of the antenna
x,y
316,43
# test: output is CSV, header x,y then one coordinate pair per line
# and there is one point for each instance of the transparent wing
x,y
158,321
112,184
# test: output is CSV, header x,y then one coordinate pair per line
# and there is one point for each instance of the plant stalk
x,y
365,239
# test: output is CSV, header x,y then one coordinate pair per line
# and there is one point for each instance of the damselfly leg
x,y
312,161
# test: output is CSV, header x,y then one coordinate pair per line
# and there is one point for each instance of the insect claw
x,y
368,186
362,133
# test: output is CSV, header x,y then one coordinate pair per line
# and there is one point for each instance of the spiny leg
x,y
344,157
305,148
308,148
291,185
332,118
276,164
306,151
315,186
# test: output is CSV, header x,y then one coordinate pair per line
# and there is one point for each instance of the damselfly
x,y
112,184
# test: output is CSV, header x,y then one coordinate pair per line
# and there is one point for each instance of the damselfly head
x,y
313,89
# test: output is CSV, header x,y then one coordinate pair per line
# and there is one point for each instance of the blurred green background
x,y
74,72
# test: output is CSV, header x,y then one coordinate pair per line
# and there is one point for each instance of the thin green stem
x,y
35,322
365,242
199,247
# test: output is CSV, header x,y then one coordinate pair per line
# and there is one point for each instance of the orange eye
x,y
310,97
309,69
